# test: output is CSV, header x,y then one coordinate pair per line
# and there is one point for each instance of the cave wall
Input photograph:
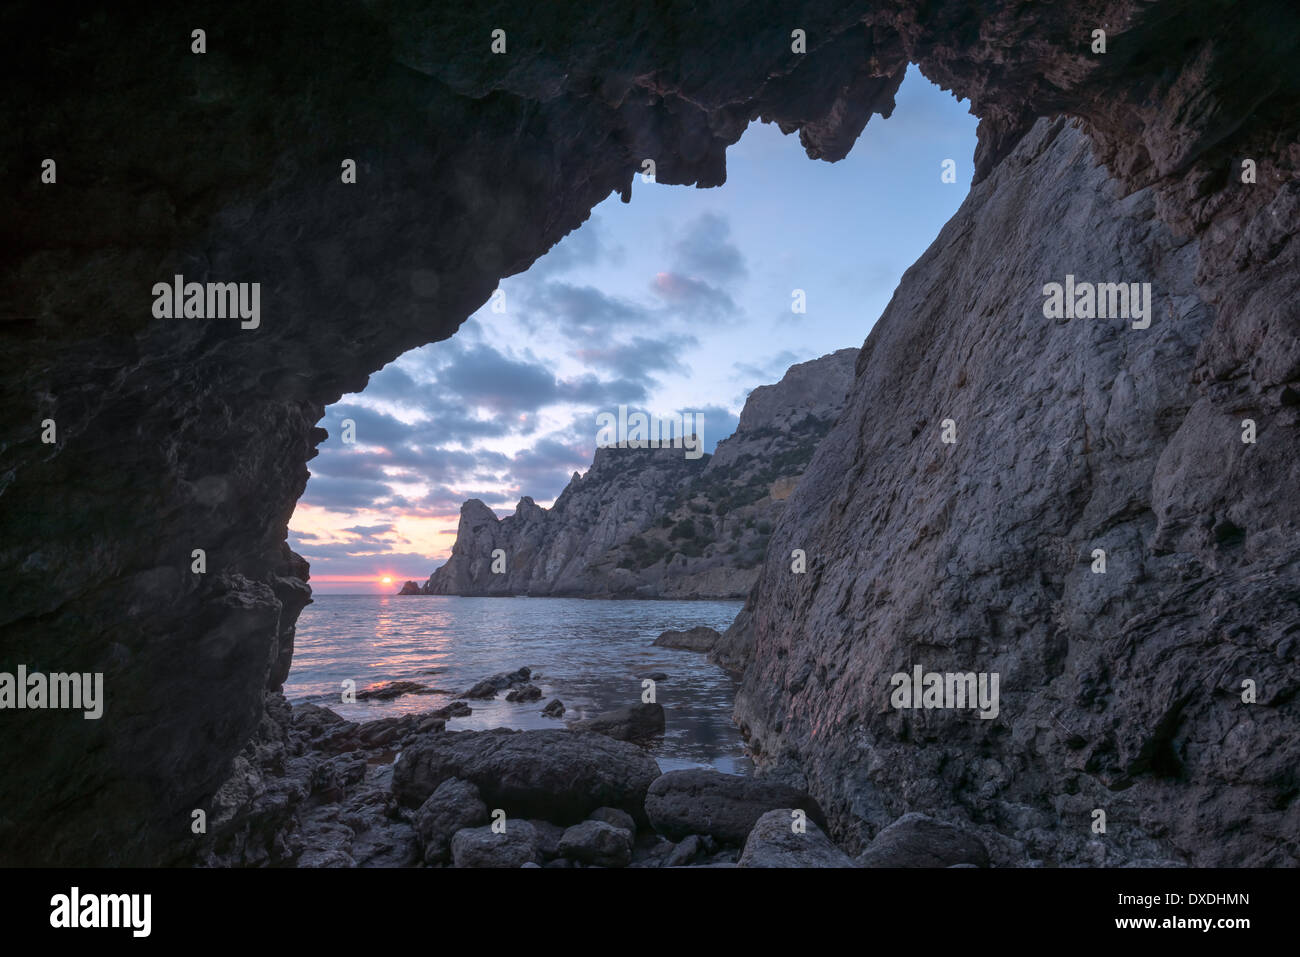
x,y
1119,689
182,434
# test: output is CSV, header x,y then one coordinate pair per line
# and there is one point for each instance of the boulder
x,y
917,840
392,689
635,723
548,837
597,843
702,801
557,775
774,843
554,709
455,805
700,639
528,692
483,847
457,709
612,815
488,687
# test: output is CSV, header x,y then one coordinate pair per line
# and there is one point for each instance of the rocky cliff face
x,y
651,523
1120,690
176,435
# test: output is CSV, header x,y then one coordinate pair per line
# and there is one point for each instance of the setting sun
x,y
387,580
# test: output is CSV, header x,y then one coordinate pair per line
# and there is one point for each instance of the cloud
x,y
705,251
582,310
693,298
369,531
482,376
589,390
639,356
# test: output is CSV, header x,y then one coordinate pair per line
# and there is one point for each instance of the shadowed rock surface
x,y
598,843
174,435
483,847
915,840
637,722
723,806
453,805
560,775
1120,690
774,843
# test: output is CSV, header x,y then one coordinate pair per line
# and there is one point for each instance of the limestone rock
x,y
454,805
598,843
638,722
915,840
484,847
559,775
700,639
724,806
774,843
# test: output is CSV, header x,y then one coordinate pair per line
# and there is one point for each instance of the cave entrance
x,y
672,307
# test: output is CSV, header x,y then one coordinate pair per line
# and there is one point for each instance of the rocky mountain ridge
x,y
652,523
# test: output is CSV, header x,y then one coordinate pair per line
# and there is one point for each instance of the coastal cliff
x,y
652,523
1075,505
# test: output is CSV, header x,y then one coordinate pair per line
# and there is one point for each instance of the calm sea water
x,y
590,654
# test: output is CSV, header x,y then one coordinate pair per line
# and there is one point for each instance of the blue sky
x,y
677,301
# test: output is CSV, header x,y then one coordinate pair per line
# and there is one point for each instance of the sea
x,y
591,654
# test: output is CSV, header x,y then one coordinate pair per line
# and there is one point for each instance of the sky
x,y
679,301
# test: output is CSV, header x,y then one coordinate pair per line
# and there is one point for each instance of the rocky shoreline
x,y
315,790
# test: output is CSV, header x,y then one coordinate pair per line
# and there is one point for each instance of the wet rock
x,y
455,805
635,723
773,842
554,708
457,709
483,847
725,806
657,676
597,843
528,692
917,840
392,689
488,687
558,775
699,639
